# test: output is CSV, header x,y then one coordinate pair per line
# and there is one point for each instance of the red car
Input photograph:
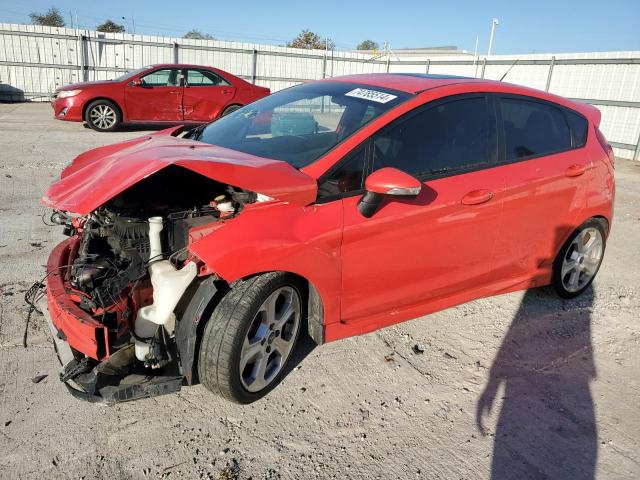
x,y
167,93
337,207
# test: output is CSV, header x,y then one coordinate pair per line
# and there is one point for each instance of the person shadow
x,y
546,428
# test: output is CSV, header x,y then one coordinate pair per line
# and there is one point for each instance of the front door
x,y
422,251
158,97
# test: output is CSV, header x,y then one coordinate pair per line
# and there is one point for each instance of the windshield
x,y
300,124
130,74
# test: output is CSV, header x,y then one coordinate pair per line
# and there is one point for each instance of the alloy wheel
x,y
103,116
270,339
582,260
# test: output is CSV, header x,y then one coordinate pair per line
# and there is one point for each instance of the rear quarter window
x,y
533,128
579,128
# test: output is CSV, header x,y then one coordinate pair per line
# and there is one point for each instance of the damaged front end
x,y
114,287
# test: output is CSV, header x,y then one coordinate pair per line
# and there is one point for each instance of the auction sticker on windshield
x,y
373,95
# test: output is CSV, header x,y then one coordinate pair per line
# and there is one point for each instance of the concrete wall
x,y
34,61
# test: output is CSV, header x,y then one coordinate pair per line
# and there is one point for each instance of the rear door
x,y
206,94
157,98
544,167
439,244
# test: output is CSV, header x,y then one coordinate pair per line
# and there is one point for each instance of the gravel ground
x,y
557,383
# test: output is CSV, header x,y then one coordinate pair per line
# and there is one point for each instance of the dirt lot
x,y
558,382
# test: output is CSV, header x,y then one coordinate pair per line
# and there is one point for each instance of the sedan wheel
x,y
103,116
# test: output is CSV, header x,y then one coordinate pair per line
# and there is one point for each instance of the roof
x,y
404,82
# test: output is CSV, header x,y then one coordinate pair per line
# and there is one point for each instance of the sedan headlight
x,y
68,93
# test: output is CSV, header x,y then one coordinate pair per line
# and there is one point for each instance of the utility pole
x,y
494,23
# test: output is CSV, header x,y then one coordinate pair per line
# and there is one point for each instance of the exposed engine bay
x,y
132,263
115,247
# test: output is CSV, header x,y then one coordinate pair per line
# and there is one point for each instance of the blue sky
x,y
525,26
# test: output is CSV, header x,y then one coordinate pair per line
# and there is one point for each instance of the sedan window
x,y
449,137
167,77
204,78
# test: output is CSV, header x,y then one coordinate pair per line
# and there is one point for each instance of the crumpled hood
x,y
96,176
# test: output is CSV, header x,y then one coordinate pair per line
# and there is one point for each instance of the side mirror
x,y
135,83
386,182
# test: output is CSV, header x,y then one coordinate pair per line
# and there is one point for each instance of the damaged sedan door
x,y
206,94
155,97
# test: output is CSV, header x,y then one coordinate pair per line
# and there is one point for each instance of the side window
x,y
533,128
204,78
167,77
452,136
579,127
347,177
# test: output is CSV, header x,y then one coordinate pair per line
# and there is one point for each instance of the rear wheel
x,y
579,260
230,109
103,116
250,336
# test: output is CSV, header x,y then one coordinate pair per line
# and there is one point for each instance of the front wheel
x,y
579,260
250,336
103,116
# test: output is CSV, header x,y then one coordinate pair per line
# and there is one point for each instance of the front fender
x,y
277,236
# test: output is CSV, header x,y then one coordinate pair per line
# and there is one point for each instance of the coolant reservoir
x,y
169,284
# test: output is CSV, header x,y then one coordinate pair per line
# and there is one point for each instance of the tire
x,y
579,259
241,336
103,116
230,109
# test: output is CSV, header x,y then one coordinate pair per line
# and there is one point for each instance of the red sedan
x,y
167,93
340,206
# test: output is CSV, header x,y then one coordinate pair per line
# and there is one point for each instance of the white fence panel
x,y
34,61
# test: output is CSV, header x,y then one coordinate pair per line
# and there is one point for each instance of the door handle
x,y
173,92
226,92
476,197
575,170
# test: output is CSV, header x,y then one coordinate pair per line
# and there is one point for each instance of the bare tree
x,y
309,40
368,45
195,34
53,18
110,27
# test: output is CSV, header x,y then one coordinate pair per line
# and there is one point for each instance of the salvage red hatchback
x,y
167,93
337,207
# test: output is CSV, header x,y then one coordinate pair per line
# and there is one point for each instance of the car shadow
x,y
546,427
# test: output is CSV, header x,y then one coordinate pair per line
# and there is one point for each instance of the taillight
x,y
606,147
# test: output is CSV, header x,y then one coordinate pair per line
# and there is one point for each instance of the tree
x,y
368,45
110,27
197,35
53,18
307,39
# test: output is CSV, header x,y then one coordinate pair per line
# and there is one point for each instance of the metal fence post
x,y
324,64
551,64
636,154
82,42
484,65
176,48
254,66
428,64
